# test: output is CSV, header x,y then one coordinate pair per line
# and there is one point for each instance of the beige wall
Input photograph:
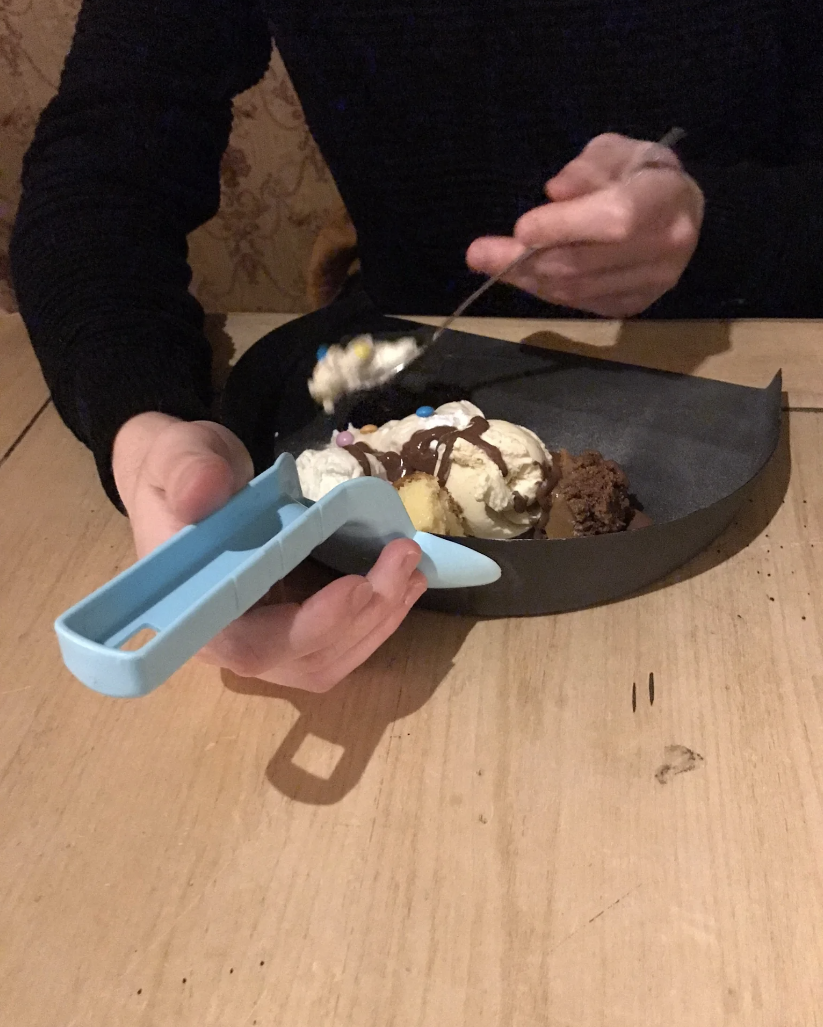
x,y
277,192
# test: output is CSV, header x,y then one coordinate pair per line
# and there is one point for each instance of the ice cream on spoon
x,y
362,363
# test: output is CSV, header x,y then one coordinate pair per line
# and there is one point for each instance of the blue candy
x,y
424,411
322,351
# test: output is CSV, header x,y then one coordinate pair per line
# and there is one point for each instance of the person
x,y
457,133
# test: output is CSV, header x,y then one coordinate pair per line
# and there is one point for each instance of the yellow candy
x,y
367,429
362,350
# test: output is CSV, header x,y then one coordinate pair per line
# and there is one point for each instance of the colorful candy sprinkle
x,y
344,438
322,351
424,411
367,429
362,350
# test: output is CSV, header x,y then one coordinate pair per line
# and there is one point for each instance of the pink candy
x,y
344,438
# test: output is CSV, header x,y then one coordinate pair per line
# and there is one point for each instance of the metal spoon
x,y
671,138
646,159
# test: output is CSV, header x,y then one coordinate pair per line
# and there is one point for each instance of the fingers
x,y
327,668
619,293
651,200
316,644
605,160
392,578
366,647
657,210
615,207
610,215
566,263
490,254
570,274
197,484
611,252
599,163
329,624
271,636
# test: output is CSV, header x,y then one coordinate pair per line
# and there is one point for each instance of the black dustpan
x,y
690,446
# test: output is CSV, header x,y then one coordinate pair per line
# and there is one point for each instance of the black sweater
x,y
440,121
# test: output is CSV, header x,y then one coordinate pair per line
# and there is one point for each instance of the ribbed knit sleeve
x,y
124,164
761,248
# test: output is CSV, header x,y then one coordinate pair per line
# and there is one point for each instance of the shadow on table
x,y
396,682
680,346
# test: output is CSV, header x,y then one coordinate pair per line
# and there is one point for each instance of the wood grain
x,y
470,833
22,389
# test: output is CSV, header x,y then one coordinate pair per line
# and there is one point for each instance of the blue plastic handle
x,y
204,577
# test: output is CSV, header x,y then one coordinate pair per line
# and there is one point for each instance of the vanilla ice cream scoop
x,y
495,486
362,364
527,459
320,470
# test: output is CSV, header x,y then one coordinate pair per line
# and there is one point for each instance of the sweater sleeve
x,y
761,245
125,162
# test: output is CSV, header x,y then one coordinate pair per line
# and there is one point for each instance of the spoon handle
x,y
486,285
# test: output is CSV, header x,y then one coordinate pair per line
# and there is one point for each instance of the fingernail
x,y
361,595
413,593
410,562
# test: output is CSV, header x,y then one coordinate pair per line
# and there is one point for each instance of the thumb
x,y
198,466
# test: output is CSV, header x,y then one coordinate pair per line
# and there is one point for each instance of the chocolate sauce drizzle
x,y
429,451
392,462
359,450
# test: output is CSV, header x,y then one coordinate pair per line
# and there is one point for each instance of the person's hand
x,y
171,473
622,226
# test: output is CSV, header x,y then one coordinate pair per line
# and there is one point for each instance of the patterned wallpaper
x,y
277,194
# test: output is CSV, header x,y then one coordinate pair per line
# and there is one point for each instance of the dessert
x,y
584,495
361,364
459,473
429,505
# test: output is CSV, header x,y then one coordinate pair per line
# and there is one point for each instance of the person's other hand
x,y
171,473
620,238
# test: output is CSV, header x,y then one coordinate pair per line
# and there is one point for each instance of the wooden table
x,y
478,830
